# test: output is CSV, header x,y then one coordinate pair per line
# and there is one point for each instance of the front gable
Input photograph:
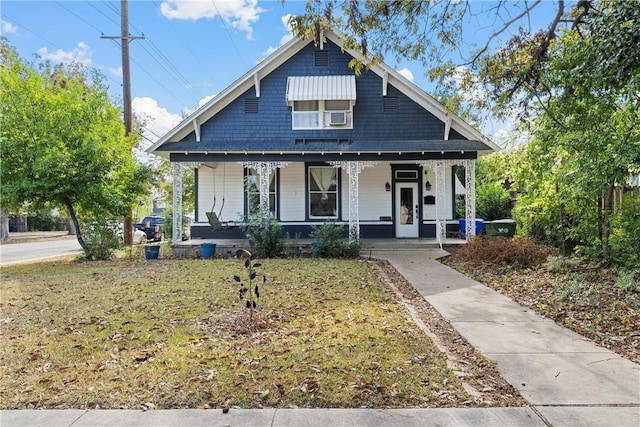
x,y
389,113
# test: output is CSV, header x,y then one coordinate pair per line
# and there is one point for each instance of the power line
x,y
49,42
102,13
159,84
185,44
78,16
224,24
164,63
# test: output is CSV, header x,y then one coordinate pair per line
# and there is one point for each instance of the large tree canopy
x,y
499,47
63,143
586,130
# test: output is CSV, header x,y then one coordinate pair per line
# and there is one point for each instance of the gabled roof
x,y
288,50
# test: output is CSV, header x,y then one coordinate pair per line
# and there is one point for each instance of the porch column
x,y
441,215
178,170
264,170
470,199
353,170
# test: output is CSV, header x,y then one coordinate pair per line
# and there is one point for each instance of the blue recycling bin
x,y
151,252
207,250
479,223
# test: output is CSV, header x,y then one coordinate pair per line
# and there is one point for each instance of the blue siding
x,y
270,129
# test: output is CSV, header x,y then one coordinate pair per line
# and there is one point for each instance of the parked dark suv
x,y
152,227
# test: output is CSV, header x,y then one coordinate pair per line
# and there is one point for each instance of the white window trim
x,y
337,193
323,117
272,209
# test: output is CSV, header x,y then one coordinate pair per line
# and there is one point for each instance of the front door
x,y
406,212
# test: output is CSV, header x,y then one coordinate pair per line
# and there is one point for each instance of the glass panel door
x,y
406,212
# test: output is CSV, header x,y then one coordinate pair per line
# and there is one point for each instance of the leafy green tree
x,y
63,142
587,127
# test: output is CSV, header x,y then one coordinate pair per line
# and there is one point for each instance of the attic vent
x,y
251,105
390,104
322,58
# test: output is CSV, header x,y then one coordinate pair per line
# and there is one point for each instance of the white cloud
x,y
203,101
288,36
81,54
407,74
469,93
156,120
8,27
116,71
241,14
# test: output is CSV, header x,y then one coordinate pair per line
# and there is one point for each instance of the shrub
x,y
625,233
102,238
332,242
493,202
518,251
266,235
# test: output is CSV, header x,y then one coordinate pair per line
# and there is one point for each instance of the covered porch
x,y
409,177
226,248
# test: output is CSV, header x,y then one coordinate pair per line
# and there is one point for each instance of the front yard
x,y
172,334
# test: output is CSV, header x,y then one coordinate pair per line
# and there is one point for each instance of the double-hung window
x,y
306,114
321,102
323,188
253,192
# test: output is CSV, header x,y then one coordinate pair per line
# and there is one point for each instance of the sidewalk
x,y
567,379
32,236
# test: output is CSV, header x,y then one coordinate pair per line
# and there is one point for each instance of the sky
x,y
188,51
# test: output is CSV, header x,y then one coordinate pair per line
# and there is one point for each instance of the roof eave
x,y
214,105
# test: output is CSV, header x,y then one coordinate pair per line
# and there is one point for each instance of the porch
x,y
228,247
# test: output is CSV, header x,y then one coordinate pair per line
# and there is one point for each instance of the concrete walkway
x,y
568,380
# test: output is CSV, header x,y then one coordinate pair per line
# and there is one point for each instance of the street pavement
x,y
567,379
29,251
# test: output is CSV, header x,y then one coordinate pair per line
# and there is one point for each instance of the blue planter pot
x,y
208,250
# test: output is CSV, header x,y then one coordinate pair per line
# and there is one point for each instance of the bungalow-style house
x,y
312,142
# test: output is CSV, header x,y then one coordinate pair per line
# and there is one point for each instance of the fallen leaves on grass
x,y
330,333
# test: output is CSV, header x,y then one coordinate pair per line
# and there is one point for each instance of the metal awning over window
x,y
316,88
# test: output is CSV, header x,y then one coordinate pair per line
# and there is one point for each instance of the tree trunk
x,y
607,213
563,249
76,225
4,227
71,227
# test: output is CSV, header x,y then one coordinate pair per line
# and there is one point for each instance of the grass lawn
x,y
119,334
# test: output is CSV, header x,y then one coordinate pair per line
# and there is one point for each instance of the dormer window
x,y
321,102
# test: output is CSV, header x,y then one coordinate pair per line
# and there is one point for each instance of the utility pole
x,y
125,38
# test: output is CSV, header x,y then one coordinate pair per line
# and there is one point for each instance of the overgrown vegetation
x,y
118,334
519,251
332,243
598,302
